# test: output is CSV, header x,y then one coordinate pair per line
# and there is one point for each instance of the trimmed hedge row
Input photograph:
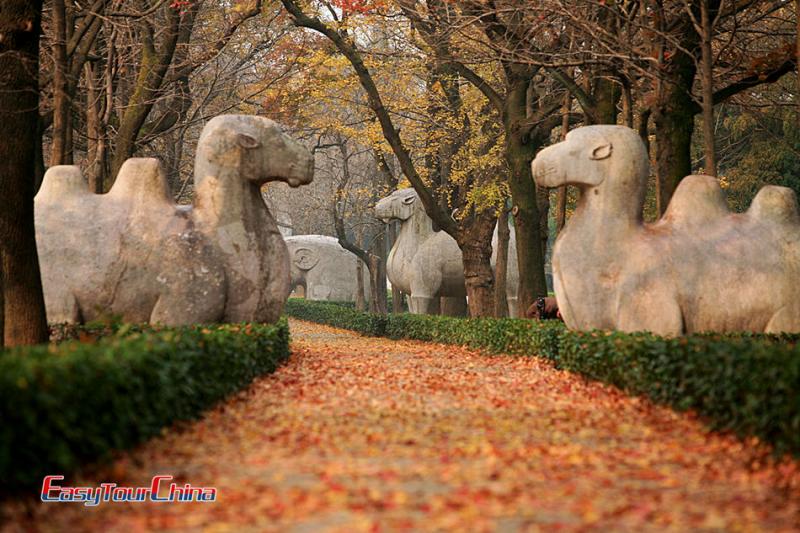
x,y
497,335
67,404
748,384
337,315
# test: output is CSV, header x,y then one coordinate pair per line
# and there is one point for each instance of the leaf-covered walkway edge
x,y
745,383
371,434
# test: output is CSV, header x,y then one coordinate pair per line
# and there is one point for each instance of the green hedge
x,y
496,335
337,315
504,335
67,404
745,383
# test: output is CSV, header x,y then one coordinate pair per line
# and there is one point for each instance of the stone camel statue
x,y
325,269
427,264
699,268
133,254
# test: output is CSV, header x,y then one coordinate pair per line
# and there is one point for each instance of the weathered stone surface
x,y
427,264
699,268
134,254
325,269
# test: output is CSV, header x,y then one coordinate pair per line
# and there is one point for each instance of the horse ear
x,y
247,141
602,151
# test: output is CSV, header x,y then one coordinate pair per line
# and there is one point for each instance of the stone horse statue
x,y
427,265
134,254
699,268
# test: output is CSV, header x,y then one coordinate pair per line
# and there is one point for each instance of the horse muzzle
x,y
546,171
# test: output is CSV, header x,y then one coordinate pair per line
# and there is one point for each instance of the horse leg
x,y
425,287
423,305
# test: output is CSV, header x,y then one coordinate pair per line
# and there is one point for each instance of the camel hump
x,y
775,204
62,182
697,200
142,181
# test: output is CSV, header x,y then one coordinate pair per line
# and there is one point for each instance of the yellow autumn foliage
x,y
463,143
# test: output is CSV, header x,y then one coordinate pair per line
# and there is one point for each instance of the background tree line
x,y
451,97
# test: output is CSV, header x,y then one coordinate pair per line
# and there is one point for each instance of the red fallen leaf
x,y
454,504
276,509
386,475
336,487
357,506
324,437
647,475
641,512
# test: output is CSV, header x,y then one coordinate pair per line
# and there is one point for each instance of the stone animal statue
x,y
133,254
324,269
427,265
699,268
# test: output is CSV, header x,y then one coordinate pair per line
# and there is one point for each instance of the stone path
x,y
363,434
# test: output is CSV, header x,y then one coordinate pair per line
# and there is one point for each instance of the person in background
x,y
544,308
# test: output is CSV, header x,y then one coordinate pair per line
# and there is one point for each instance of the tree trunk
x,y
100,91
61,153
643,127
397,295
673,116
627,104
377,283
707,82
23,302
476,250
607,94
361,305
378,303
95,134
501,265
561,197
39,166
519,153
381,287
2,312
543,206
154,66
561,208
532,282
674,123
